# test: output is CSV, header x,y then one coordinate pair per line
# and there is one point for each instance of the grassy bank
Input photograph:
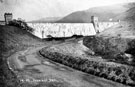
x,y
13,39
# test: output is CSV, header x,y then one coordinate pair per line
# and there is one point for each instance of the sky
x,y
36,9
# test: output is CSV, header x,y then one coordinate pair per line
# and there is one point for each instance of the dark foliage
x,y
21,24
131,49
122,73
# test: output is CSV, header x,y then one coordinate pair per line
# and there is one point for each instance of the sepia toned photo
x,y
67,43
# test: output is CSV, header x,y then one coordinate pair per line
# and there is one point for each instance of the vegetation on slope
x,y
120,73
76,55
117,43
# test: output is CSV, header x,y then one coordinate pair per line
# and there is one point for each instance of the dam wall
x,y
42,30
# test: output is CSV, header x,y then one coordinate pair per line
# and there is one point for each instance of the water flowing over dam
x,y
42,30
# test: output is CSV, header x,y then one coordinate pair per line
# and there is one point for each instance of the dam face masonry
x,y
42,30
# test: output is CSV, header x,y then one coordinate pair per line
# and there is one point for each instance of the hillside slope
x,y
129,15
13,39
104,13
117,43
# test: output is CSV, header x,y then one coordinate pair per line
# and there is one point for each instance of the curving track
x,y
32,69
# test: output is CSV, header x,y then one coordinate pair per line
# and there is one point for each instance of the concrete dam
x,y
42,30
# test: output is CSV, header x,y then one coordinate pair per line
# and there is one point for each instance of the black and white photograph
x,y
67,43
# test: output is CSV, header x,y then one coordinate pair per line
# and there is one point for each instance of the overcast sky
x,y
36,9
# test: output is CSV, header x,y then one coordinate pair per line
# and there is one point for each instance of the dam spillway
x,y
42,30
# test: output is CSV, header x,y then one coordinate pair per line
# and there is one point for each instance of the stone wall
x,y
67,29
105,25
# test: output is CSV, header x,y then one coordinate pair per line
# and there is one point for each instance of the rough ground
x,y
22,66
117,42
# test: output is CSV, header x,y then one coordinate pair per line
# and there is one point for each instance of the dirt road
x,y
31,68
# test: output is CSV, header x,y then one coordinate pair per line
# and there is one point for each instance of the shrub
x,y
21,24
120,73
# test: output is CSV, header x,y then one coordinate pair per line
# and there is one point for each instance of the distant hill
x,y
129,15
119,11
46,20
